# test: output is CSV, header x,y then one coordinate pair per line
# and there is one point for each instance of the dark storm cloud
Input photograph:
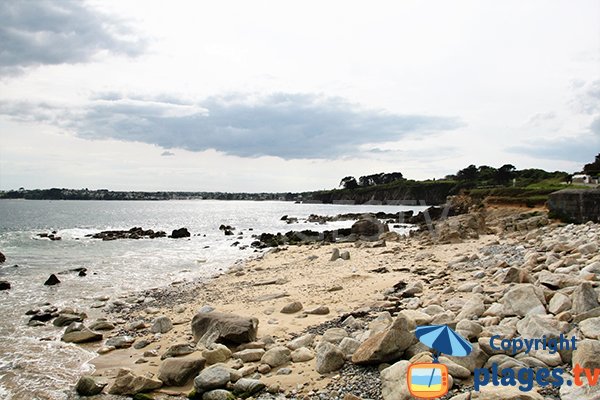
x,y
46,32
289,126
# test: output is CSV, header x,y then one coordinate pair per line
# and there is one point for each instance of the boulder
x,y
472,308
180,233
218,394
249,355
393,382
291,308
162,325
559,303
224,328
334,335
329,358
369,228
66,319
584,298
216,353
52,280
277,356
537,326
320,310
178,371
348,346
81,336
101,325
524,299
127,383
120,342
247,387
335,254
302,355
302,341
387,345
212,378
587,353
87,386
590,328
4,285
583,392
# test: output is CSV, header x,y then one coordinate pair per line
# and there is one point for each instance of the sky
x,y
291,95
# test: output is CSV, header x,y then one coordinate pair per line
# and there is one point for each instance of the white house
x,y
581,178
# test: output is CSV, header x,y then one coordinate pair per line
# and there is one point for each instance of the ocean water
x,y
31,368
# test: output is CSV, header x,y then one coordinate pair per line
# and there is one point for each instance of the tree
x,y
505,173
593,168
468,174
349,182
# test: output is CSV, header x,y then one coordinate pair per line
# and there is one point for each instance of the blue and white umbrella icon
x,y
443,340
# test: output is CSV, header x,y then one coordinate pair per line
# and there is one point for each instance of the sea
x,y
34,363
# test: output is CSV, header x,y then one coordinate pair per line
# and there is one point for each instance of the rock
x,y
586,354
277,356
52,280
559,303
537,326
127,383
348,346
178,350
218,394
514,275
221,327
140,344
120,342
584,298
588,248
345,255
291,308
583,392
334,335
524,299
370,228
302,341
335,254
178,371
491,392
302,355
180,233
472,308
393,382
4,285
216,353
247,387
212,378
2,258
387,345
329,358
161,325
82,336
321,310
590,328
66,319
87,386
454,369
469,329
102,326
476,359
249,355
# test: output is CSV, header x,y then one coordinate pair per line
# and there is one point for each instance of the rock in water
x,y
2,258
83,336
4,285
177,372
180,233
127,383
369,227
52,280
223,327
87,386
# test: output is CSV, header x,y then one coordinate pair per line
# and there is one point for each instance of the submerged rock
x,y
52,280
180,233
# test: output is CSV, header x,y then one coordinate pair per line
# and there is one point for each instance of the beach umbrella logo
x,y
430,380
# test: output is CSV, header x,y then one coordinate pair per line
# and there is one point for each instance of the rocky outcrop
x,y
575,205
180,233
133,233
52,280
219,327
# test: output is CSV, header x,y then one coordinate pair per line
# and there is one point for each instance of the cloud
x,y
167,153
581,149
540,118
45,32
290,126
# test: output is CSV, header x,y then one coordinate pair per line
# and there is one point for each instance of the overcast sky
x,y
291,95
